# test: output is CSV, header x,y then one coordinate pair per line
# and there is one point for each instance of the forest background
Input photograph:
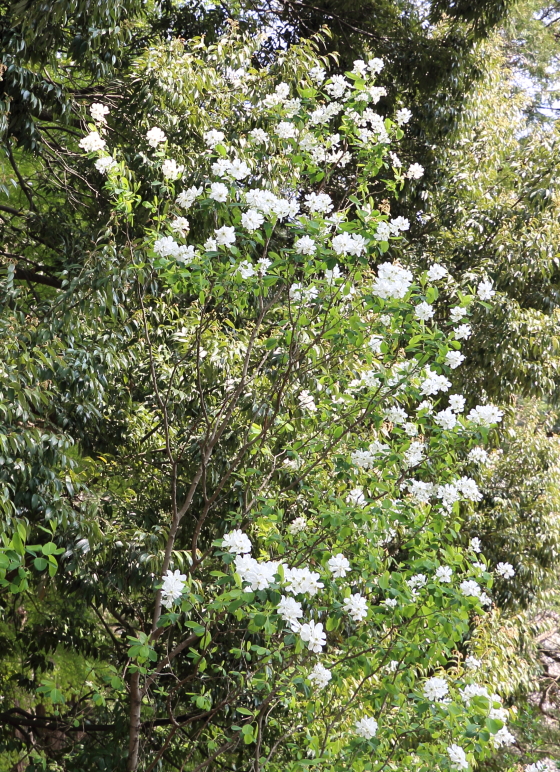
x,y
481,80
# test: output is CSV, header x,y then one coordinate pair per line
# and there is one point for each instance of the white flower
x,y
506,570
443,573
475,544
403,116
314,636
463,332
290,610
410,429
390,602
473,690
436,272
470,588
297,525
425,405
538,766
166,246
424,311
448,494
356,497
105,164
317,74
416,582
246,269
472,663
359,67
239,169
485,415
219,192
366,728
469,489
375,344
453,359
172,588
392,281
399,224
337,87
421,491
213,137
305,294
396,415
210,245
155,137
225,236
446,419
300,581
180,224
383,231
338,566
259,136
305,246
356,607
236,542
415,454
281,93
252,220
98,112
348,244
395,160
484,290
259,575
319,202
92,143
457,403
263,264
375,65
458,757
286,130
457,313
415,171
435,689
502,737
171,169
307,401
186,198
320,676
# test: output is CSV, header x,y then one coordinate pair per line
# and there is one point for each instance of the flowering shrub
x,y
311,596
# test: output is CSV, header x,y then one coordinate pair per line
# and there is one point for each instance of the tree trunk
x,y
134,724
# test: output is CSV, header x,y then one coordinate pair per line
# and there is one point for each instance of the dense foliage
x,y
244,501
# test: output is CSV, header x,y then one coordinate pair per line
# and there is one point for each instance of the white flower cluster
x,y
457,757
366,727
436,689
393,281
485,415
434,383
320,676
92,142
166,246
172,588
268,203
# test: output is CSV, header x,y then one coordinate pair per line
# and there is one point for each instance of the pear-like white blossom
x,y
237,542
172,588
92,142
506,570
320,676
338,565
366,727
435,689
457,757
98,112
155,137
313,635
